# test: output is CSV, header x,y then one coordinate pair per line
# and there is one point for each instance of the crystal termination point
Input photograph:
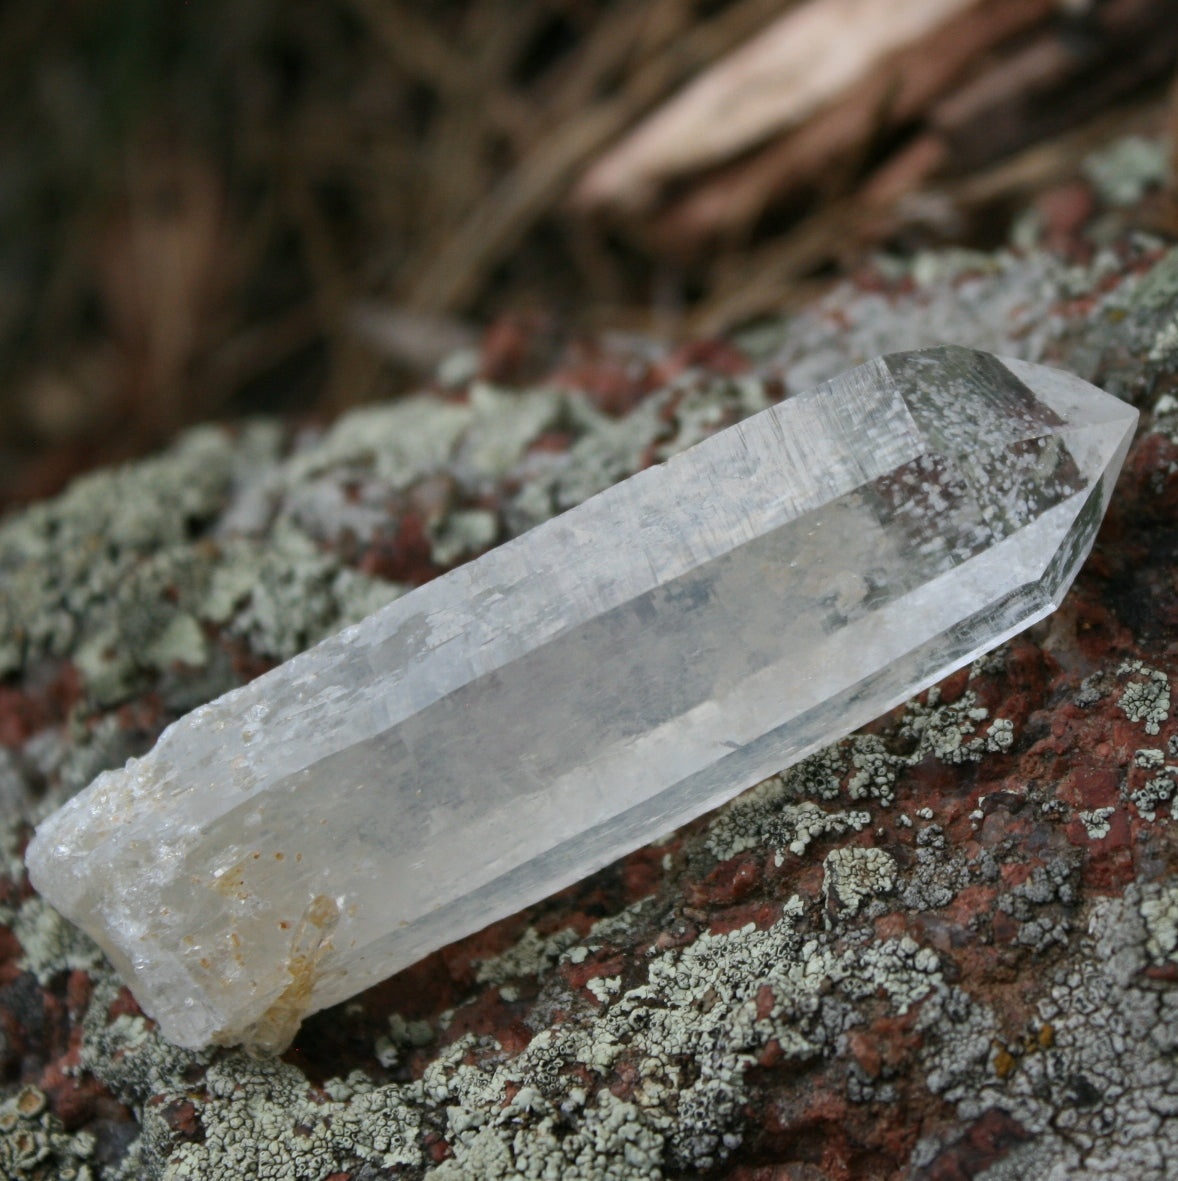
x,y
520,722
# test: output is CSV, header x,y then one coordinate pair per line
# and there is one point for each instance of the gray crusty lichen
x,y
692,1023
126,572
1095,1088
687,1018
645,1038
33,1143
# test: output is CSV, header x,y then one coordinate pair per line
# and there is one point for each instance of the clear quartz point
x,y
526,719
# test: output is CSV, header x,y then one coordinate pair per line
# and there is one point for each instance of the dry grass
x,y
240,205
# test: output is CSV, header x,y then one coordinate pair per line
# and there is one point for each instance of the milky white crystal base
x,y
526,719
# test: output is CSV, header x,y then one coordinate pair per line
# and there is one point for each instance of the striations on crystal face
x,y
522,721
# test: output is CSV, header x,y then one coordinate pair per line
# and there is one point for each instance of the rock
x,y
999,1000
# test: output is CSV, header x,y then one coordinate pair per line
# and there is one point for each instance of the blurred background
x,y
227,207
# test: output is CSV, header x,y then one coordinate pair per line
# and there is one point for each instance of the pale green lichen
x,y
1096,822
1158,907
395,444
1126,168
126,1054
818,777
606,451
691,1030
120,573
35,1147
691,1027
1154,793
767,816
1164,417
503,425
874,768
51,944
937,873
864,767
906,972
462,533
933,267
762,819
402,1035
484,437
125,570
1146,695
261,1120
1157,289
62,561
282,596
1159,789
1055,882
952,732
853,875
1164,350
256,1119
604,987
704,405
612,1141
530,955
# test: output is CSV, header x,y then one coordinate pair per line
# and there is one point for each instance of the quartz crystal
x,y
522,721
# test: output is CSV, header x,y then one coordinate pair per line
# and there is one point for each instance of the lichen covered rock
x,y
945,947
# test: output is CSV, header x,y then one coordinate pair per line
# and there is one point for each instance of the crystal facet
x,y
518,723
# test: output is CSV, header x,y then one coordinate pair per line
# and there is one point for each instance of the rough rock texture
x,y
946,948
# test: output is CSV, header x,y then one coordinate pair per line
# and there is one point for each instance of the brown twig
x,y
451,277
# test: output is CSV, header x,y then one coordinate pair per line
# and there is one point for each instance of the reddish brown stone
x,y
642,871
489,1014
1005,928
181,1116
1090,786
865,1050
124,1004
77,993
579,975
729,882
714,355
403,556
1065,209
760,914
45,701
438,1148
987,1142
765,1001
519,347
76,1097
